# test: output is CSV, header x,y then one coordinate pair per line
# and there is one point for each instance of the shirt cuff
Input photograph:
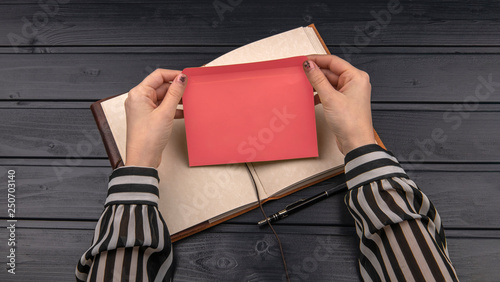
x,y
133,185
369,163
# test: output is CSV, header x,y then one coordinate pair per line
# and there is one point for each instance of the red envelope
x,y
249,112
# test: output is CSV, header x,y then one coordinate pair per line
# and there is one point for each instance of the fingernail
x,y
182,78
308,65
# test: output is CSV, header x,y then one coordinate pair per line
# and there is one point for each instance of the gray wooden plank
x,y
443,78
58,77
71,134
449,136
30,104
58,192
76,192
432,77
244,253
376,106
42,162
406,49
419,23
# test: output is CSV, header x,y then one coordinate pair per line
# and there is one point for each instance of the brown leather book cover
x,y
107,136
116,161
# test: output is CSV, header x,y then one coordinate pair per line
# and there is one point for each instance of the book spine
x,y
106,134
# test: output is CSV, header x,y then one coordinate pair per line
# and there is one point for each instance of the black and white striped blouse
x,y
131,240
400,231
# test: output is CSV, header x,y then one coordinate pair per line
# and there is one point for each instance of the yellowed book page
x,y
278,175
188,195
296,42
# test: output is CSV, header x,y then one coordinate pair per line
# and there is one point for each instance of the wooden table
x,y
426,62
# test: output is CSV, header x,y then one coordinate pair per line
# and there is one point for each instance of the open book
x,y
195,198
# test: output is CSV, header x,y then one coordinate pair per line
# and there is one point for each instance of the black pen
x,y
303,203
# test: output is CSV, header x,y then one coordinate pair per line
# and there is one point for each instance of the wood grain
x,y
424,67
78,193
423,23
70,134
244,253
463,136
408,78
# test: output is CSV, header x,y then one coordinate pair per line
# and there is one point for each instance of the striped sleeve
x,y
131,240
401,237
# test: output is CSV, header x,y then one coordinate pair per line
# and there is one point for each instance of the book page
x,y
280,175
296,42
188,195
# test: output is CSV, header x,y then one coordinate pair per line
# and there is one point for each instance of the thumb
x,y
173,96
319,81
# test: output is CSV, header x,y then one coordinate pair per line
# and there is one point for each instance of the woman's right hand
x,y
345,94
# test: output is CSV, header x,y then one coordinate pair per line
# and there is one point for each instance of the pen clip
x,y
295,204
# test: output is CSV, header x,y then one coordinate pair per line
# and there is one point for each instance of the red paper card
x,y
249,112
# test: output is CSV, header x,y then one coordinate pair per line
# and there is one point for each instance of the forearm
x,y
400,231
131,239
